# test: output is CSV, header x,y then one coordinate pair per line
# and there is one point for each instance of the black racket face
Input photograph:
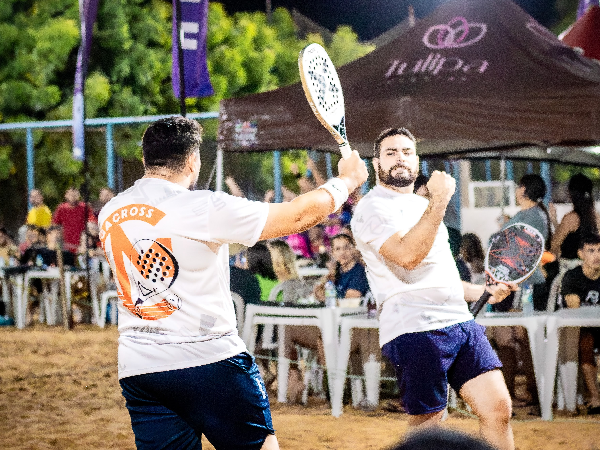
x,y
514,253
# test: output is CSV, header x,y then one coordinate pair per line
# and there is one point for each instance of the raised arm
x,y
407,248
307,210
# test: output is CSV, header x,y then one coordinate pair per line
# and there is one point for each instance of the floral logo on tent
x,y
245,133
455,34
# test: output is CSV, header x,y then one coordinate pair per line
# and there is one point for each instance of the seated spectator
x,y
261,265
90,242
32,238
36,241
320,245
350,280
39,215
106,195
471,252
49,252
8,249
241,280
581,288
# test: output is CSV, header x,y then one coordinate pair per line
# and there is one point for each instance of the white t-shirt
x,y
167,248
429,297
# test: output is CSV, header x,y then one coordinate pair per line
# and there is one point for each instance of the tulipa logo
x,y
457,33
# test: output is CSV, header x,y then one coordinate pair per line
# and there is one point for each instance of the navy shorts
x,y
226,401
426,362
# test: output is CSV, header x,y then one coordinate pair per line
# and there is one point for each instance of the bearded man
x,y
425,327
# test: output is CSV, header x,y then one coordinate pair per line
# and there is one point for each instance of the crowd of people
x,y
73,227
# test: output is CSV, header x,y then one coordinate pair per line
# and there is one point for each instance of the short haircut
x,y
169,142
590,239
387,133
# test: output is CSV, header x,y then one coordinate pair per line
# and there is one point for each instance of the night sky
x,y
370,18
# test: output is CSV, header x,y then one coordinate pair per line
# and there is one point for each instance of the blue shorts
x,y
226,401
426,362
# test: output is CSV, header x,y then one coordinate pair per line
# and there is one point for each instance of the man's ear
x,y
580,254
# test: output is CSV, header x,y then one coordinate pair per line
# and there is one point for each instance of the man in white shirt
x,y
183,369
426,329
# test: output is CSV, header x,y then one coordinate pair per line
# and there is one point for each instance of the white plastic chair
x,y
107,296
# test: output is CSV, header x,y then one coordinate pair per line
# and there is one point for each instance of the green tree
x,y
129,74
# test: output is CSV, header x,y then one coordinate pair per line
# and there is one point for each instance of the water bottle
x,y
527,299
330,295
371,306
39,261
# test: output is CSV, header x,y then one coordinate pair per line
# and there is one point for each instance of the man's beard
x,y
402,179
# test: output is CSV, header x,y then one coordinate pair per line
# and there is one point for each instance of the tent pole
x,y
502,184
277,176
545,173
30,163
219,179
110,157
328,164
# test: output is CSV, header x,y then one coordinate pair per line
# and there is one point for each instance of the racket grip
x,y
479,304
345,150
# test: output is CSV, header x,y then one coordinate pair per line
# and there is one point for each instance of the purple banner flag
x,y
87,16
194,14
584,5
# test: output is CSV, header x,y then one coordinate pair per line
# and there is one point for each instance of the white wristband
x,y
338,190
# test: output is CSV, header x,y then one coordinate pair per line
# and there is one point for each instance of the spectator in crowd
x,y
473,255
260,264
8,249
106,195
72,215
39,215
32,239
37,241
581,288
241,280
438,438
350,279
582,220
320,245
511,342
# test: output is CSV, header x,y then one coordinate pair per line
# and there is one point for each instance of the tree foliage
x,y
129,74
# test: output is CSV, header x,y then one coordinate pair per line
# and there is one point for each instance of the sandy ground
x,y
59,390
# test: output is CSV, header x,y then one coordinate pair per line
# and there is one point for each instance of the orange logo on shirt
x,y
147,264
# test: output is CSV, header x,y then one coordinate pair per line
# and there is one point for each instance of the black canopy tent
x,y
472,80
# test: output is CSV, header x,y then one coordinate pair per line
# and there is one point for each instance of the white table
x,y
327,319
556,337
22,293
534,325
339,376
312,271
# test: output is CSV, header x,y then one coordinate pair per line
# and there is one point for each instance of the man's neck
x,y
181,180
592,273
401,190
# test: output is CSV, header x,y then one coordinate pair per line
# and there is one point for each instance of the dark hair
x,y
472,251
338,266
441,439
580,190
535,190
169,142
387,133
590,239
260,262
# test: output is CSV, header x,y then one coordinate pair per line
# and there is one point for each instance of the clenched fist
x,y
441,186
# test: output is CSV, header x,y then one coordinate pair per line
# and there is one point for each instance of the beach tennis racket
x,y
324,93
513,255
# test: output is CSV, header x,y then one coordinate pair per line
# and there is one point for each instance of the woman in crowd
x,y
471,252
511,342
349,277
582,220
261,265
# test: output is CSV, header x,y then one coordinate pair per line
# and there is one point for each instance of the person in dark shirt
x,y
581,288
241,280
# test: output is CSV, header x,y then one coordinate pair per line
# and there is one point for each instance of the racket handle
x,y
345,150
479,304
